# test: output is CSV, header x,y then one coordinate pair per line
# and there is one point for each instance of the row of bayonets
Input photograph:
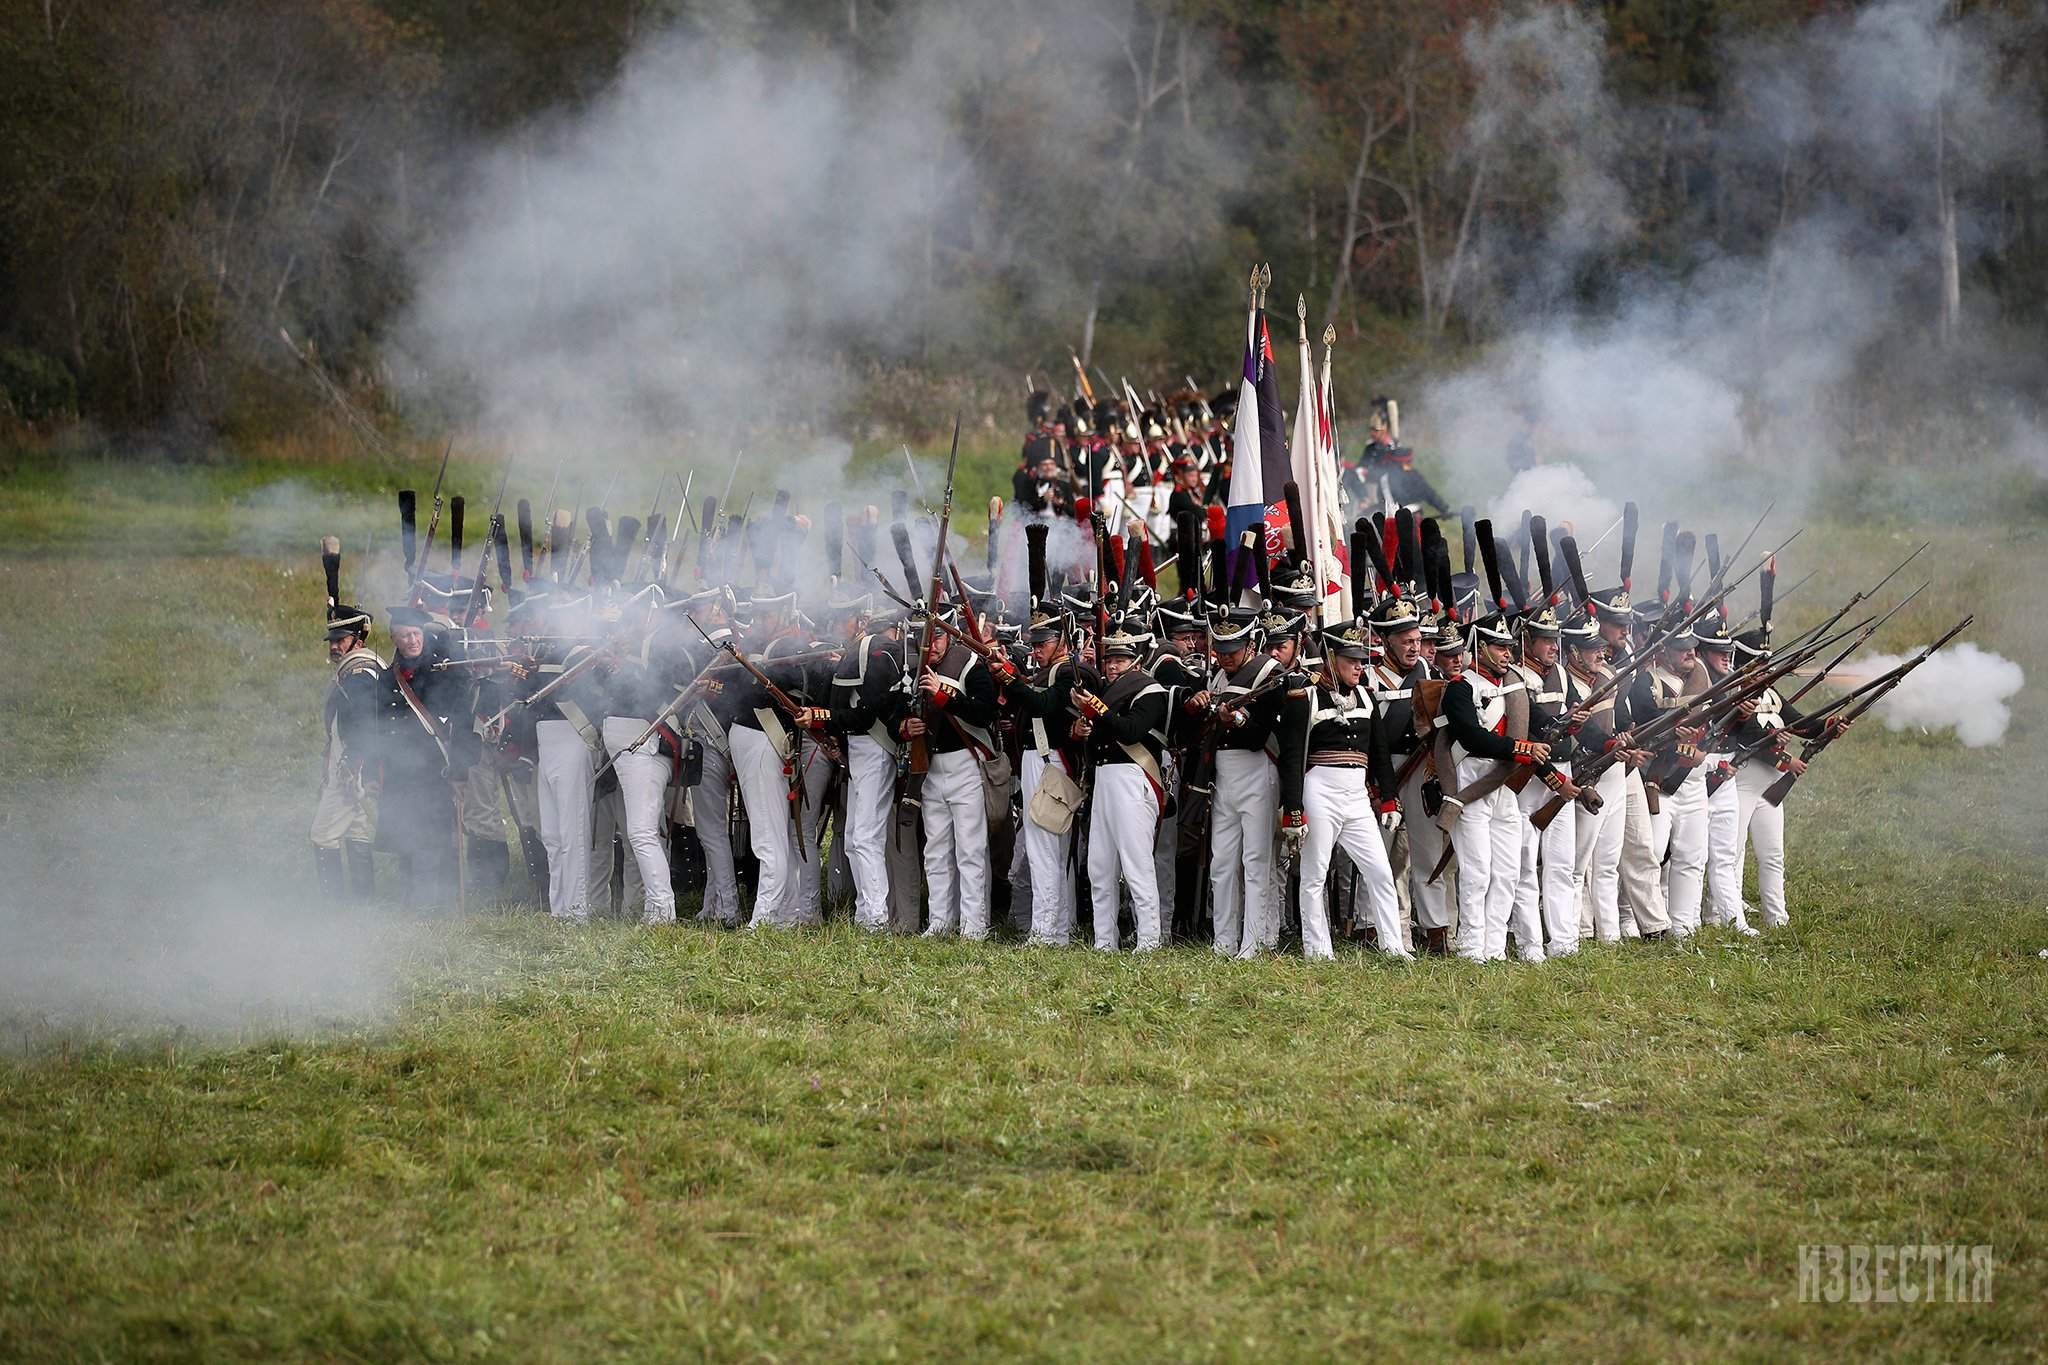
x,y
636,550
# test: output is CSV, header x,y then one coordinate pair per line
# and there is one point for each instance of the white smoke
x,y
1961,688
1565,495
1650,374
695,254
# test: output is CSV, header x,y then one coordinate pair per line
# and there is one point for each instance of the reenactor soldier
x,y
1240,708
1485,715
427,751
1397,678
954,710
1670,681
1549,870
1724,804
1125,728
1596,851
1050,767
1336,782
764,760
864,710
345,821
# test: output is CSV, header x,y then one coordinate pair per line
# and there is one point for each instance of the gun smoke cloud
x,y
1962,688
1879,128
679,263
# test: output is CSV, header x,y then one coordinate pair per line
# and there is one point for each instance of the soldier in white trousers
x,y
1334,768
1596,851
1681,822
1045,708
1246,801
1125,727
1394,678
1548,876
565,775
1724,804
957,697
764,760
1762,736
344,822
1487,832
865,706
1640,876
643,776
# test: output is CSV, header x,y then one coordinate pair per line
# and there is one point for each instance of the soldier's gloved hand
x,y
1199,702
1293,829
1590,799
1390,816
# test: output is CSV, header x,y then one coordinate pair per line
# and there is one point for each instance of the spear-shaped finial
x,y
1254,286
1329,334
1301,315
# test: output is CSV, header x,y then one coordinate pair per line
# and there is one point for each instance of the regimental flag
x,y
1315,475
1259,467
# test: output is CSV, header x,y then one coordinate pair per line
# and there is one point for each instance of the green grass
x,y
547,1143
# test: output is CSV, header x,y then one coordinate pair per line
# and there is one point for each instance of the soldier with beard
x,y
346,817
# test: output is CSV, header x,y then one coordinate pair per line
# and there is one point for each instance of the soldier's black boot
x,y
490,862
362,871
327,866
535,854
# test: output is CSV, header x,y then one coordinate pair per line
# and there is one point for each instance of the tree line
x,y
180,180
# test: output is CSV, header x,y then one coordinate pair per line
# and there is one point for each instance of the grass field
x,y
378,1138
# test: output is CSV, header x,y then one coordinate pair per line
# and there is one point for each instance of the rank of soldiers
x,y
759,712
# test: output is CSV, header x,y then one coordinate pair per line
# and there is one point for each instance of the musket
x,y
987,649
672,546
919,750
644,540
1655,642
685,694
1876,690
1837,661
573,671
1081,376
737,456
781,699
1585,550
916,480
1770,739
1727,692
433,523
547,506
496,527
